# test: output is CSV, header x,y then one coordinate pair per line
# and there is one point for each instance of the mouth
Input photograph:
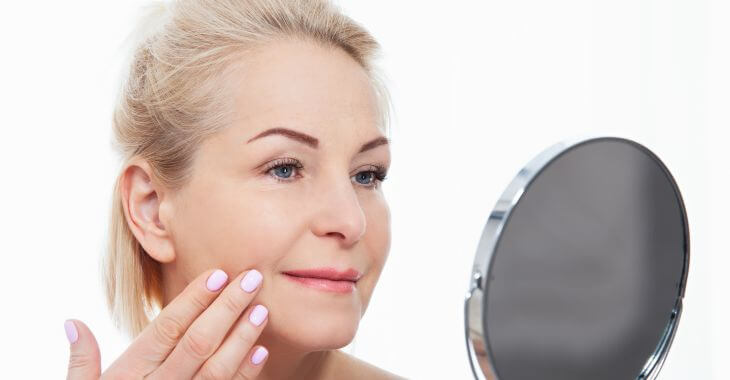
x,y
326,279
327,273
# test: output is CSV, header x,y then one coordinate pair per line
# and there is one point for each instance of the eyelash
x,y
380,172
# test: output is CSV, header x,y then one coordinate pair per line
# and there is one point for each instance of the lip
x,y
326,279
327,273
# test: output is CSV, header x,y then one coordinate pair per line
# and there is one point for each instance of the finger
x,y
208,330
253,364
85,360
160,337
225,362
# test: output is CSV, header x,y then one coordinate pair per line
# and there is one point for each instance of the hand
x,y
189,338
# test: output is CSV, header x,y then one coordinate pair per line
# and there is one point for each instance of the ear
x,y
144,209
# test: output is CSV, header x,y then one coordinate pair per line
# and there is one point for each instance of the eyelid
x,y
284,161
379,170
373,167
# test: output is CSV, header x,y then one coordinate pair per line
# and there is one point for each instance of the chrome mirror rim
x,y
478,347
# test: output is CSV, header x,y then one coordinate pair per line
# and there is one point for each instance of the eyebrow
x,y
313,142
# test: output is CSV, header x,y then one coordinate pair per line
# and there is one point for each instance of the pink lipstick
x,y
327,279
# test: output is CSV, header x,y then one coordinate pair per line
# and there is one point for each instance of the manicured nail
x,y
216,280
258,314
259,355
251,280
71,333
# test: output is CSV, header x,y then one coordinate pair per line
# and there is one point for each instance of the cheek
x,y
236,230
377,242
378,233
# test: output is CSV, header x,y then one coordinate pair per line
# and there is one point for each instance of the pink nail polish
x,y
258,314
259,355
251,280
71,333
216,280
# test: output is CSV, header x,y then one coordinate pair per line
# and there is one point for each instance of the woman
x,y
249,210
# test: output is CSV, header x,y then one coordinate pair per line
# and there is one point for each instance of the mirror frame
x,y
478,347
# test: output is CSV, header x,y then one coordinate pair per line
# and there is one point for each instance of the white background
x,y
479,88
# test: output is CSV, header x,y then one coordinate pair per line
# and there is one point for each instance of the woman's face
x,y
239,211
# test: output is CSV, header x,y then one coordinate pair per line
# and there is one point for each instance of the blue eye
x,y
373,178
366,175
284,169
285,173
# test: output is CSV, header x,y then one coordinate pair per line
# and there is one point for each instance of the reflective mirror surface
x,y
581,268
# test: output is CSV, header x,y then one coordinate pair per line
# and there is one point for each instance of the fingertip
x,y
72,332
85,359
79,334
259,355
216,280
251,280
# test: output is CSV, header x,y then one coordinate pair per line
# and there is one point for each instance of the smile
x,y
342,286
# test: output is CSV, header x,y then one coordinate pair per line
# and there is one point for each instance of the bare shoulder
x,y
350,367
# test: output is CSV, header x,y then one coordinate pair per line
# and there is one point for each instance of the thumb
x,y
85,360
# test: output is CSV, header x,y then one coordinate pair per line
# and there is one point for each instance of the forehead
x,y
317,89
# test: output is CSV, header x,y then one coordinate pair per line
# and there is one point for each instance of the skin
x,y
234,214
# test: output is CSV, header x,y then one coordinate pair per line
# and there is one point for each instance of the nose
x,y
339,214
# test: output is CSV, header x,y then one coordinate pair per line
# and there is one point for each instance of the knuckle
x,y
245,335
213,371
231,304
168,330
196,345
243,373
79,360
198,301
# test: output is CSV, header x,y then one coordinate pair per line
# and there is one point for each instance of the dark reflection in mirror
x,y
588,268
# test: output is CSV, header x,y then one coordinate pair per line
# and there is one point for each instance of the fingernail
x,y
216,280
71,333
251,280
258,314
259,355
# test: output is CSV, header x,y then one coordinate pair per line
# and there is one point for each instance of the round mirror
x,y
581,267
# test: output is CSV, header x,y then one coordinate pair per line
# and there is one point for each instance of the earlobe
x,y
141,198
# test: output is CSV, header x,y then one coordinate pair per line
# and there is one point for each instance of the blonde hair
x,y
170,102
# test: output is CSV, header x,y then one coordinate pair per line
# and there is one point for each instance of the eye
x,y
283,169
365,176
371,178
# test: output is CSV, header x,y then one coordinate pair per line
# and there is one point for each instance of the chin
x,y
314,331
